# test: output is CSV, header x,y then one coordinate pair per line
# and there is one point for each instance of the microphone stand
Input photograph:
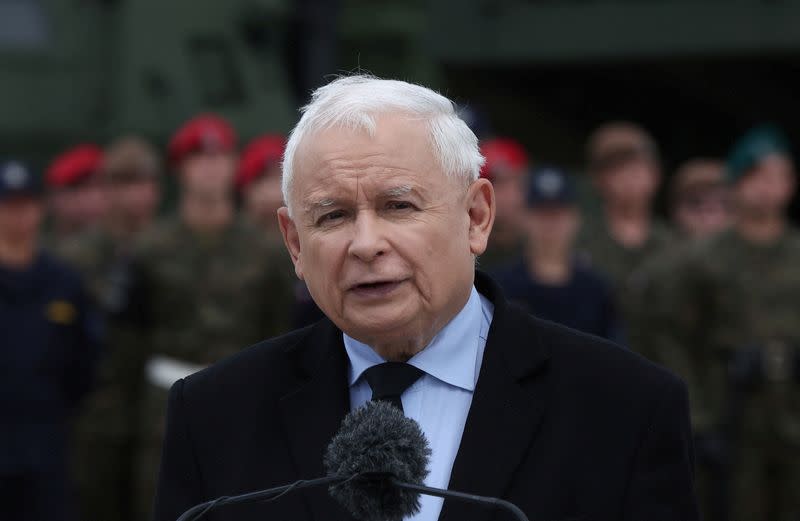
x,y
270,494
461,496
198,511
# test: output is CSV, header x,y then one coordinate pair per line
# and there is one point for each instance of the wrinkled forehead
x,y
397,154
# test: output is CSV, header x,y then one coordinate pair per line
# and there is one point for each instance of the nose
x,y
368,241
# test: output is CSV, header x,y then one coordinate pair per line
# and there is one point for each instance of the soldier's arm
x,y
88,334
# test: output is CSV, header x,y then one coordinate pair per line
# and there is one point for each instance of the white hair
x,y
353,102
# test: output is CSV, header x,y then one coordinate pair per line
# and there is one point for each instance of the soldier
x,y
727,316
699,198
76,197
206,284
506,167
50,336
106,431
624,165
548,280
259,182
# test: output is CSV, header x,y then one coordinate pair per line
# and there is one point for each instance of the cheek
x,y
322,256
438,254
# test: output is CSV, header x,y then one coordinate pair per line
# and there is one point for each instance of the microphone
x,y
376,442
387,454
376,464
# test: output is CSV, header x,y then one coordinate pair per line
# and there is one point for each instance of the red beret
x,y
75,165
206,132
502,153
257,156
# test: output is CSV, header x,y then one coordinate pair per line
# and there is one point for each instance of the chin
x,y
385,328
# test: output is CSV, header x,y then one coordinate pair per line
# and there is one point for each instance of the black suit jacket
x,y
566,425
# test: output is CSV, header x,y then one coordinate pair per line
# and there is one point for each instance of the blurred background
x,y
641,150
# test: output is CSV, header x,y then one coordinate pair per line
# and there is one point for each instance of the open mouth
x,y
377,288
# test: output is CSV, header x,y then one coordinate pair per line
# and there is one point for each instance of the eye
x,y
331,217
400,205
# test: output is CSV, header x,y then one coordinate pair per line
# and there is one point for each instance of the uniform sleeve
x,y
179,477
662,481
89,336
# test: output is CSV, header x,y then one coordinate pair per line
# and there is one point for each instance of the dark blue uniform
x,y
48,343
585,302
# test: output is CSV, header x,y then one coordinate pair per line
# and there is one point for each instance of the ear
x,y
291,239
481,209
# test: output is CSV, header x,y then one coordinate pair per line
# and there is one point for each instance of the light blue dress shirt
x,y
439,401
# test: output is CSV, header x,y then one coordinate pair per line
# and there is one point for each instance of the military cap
x,y
130,158
260,154
74,166
16,179
503,154
753,147
204,133
549,186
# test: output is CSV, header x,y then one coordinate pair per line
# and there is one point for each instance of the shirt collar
x,y
450,357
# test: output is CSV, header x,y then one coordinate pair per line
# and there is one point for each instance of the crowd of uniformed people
x,y
106,300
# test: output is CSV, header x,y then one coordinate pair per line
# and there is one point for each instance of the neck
x,y
207,215
629,224
123,230
549,264
761,229
17,254
631,211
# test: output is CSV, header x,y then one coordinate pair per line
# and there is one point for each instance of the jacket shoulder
x,y
584,358
262,366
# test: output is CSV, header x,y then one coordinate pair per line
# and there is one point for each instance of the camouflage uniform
x,y
725,314
105,430
619,263
200,299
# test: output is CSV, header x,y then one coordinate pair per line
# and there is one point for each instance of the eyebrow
x,y
321,204
398,191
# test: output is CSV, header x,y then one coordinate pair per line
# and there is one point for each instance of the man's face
x,y
552,225
263,197
767,188
20,218
208,173
384,240
703,214
135,200
80,207
509,187
631,183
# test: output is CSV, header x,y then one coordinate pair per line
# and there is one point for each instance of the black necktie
x,y
390,379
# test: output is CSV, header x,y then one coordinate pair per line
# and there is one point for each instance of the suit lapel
x,y
313,410
504,415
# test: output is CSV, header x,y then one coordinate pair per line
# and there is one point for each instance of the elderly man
x,y
385,217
